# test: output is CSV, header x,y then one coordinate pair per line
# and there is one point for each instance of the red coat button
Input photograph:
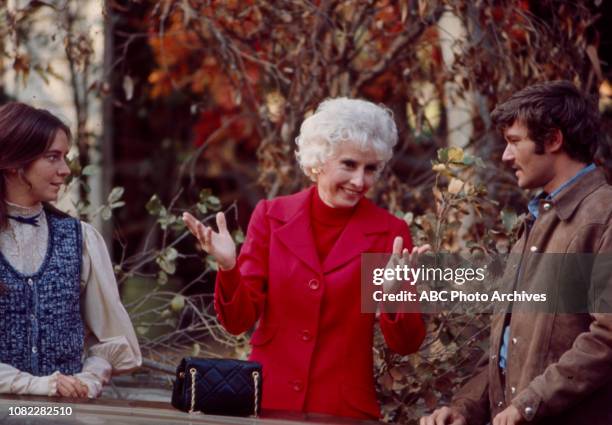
x,y
298,386
313,284
306,336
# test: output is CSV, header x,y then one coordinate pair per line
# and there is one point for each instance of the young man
x,y
547,368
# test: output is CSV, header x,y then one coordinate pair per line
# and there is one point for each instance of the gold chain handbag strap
x,y
255,375
192,371
256,391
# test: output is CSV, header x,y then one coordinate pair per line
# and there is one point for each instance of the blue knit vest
x,y
41,329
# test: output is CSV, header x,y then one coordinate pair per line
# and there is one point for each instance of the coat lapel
x,y
296,233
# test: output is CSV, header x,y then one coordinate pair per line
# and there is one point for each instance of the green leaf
x,y
179,225
84,208
117,204
208,201
115,194
154,205
205,194
468,160
75,166
167,260
238,236
171,254
443,154
90,170
177,303
167,265
473,160
213,203
211,262
85,187
106,213
166,219
202,207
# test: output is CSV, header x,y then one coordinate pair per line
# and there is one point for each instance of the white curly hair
x,y
356,121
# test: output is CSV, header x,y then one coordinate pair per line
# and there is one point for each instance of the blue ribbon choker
x,y
32,220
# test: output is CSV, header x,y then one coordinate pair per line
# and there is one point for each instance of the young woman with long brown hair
x,y
63,329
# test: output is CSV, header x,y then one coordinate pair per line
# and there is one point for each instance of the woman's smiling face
x,y
347,175
47,173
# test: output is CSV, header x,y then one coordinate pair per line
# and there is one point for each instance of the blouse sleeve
x,y
14,381
111,343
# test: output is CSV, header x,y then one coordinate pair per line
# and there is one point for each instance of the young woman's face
x,y
346,177
47,174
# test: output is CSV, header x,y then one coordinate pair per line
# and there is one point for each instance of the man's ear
x,y
554,144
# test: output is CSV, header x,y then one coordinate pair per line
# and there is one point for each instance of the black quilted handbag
x,y
218,387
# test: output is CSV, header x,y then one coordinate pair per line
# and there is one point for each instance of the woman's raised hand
x,y
218,244
402,253
402,257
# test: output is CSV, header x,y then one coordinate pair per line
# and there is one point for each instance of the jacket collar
x,y
570,197
296,232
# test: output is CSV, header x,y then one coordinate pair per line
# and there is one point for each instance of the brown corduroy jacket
x,y
559,365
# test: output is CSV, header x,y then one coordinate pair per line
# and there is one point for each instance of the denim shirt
x,y
533,209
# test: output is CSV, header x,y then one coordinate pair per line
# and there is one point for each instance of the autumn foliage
x,y
211,93
254,69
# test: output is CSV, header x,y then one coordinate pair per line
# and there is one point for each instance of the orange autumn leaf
x,y
161,84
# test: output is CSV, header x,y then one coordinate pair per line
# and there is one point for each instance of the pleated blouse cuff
x,y
117,352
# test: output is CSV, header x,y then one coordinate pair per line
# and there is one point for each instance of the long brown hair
x,y
25,134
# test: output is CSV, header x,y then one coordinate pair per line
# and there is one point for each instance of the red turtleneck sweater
x,y
327,224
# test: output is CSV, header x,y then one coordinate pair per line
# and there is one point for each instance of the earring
x,y
315,170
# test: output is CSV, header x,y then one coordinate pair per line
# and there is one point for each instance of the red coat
x,y
314,343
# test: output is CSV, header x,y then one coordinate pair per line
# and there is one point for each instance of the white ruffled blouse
x,y
111,345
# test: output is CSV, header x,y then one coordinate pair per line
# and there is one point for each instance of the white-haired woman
x,y
298,272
